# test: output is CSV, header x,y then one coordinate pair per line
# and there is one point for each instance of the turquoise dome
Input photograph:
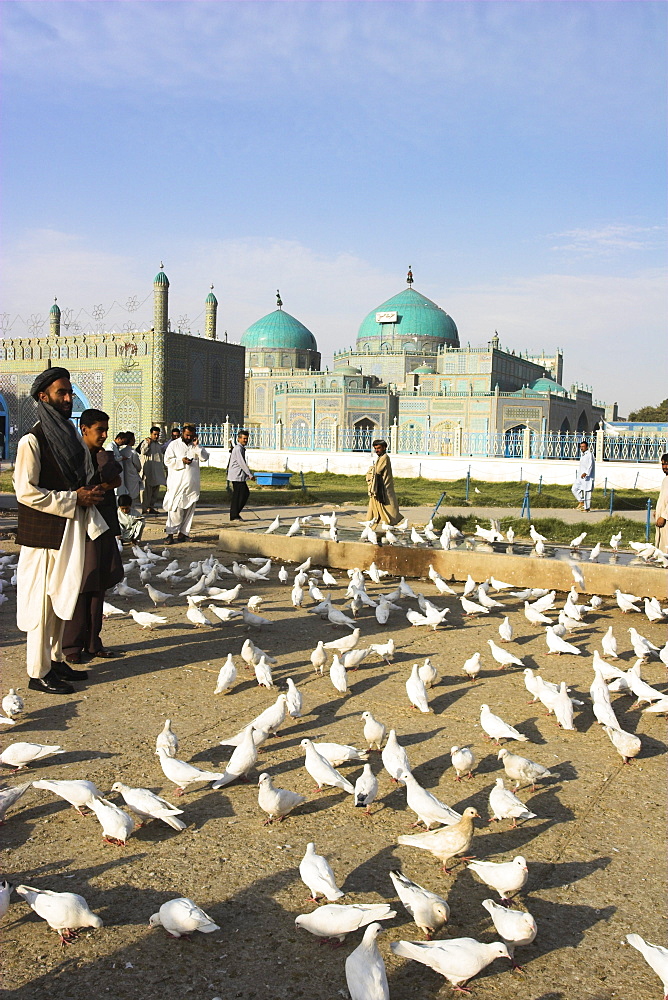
x,y
424,370
546,385
161,278
417,316
279,330
211,300
347,370
54,310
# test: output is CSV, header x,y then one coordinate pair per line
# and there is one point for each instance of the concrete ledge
x,y
522,571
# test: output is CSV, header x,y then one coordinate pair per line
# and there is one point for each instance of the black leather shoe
x,y
169,539
50,684
183,538
65,672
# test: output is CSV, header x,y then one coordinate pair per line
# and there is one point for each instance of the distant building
x,y
140,378
408,368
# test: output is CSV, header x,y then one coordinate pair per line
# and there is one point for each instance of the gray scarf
x,y
68,449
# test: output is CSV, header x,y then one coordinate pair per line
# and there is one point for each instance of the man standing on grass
x,y
584,484
383,506
661,513
238,474
182,459
151,453
57,511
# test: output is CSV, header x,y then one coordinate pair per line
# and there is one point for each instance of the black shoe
x,y
183,538
50,684
65,673
169,539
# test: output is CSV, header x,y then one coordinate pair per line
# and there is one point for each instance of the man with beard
x,y
57,509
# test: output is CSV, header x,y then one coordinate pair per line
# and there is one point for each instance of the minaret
x,y
54,319
160,301
210,317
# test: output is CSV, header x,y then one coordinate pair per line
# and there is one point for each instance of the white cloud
x,y
608,240
612,329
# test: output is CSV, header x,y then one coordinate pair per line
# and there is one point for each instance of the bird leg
x,y
179,791
470,776
461,989
515,967
268,821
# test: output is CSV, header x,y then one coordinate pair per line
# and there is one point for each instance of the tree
x,y
651,414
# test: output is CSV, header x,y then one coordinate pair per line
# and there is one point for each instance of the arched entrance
x,y
80,403
513,441
583,423
363,434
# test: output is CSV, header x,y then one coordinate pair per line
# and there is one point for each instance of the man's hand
x,y
187,461
89,497
583,476
660,522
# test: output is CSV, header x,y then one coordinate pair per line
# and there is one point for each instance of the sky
x,y
513,153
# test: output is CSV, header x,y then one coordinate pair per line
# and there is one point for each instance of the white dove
x,y
642,647
322,771
506,877
535,617
319,658
627,602
345,643
340,753
77,793
108,610
471,608
595,553
366,789
146,804
224,596
384,650
472,666
426,806
516,928
263,673
65,912
124,590
655,955
117,825
275,524
276,802
12,704
497,729
503,657
146,619
19,755
273,717
576,542
365,969
609,644
627,745
157,596
317,875
503,804
227,675
536,535
506,630
181,918
394,757
457,960
463,761
242,760
416,690
555,644
167,740
183,774
374,731
429,911
428,673
10,795
335,920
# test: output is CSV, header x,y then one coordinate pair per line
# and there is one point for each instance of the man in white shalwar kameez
x,y
584,484
182,461
56,511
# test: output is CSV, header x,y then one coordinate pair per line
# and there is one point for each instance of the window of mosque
x,y
216,381
260,398
63,351
285,360
385,347
269,360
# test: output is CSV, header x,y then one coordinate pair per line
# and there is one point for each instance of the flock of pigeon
x,y
204,587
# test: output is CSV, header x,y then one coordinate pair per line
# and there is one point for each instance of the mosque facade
x,y
140,378
407,370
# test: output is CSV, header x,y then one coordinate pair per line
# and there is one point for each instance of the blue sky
x,y
513,153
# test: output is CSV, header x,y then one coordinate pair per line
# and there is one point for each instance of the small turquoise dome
x,y
161,278
424,370
546,385
55,310
279,330
211,300
417,316
347,370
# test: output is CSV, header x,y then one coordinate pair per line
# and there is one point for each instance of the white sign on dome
x,y
386,317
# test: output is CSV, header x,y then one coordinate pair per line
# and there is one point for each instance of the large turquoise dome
x,y
419,323
279,330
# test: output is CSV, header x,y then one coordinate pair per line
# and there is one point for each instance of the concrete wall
x,y
620,475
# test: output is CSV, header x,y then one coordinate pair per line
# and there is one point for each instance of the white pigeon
x,y
457,959
109,611
536,535
117,825
194,615
124,590
533,683
429,911
394,757
283,575
335,920
275,524
416,690
65,912
167,740
251,619
470,586
503,804
146,619
609,644
642,647
506,630
338,675
295,700
242,761
352,659
497,729
510,535
595,553
319,658
486,601
273,717
341,753
337,617
627,602
374,731
426,806
615,540
322,771
19,755
516,928
10,795
317,875
644,692
224,596
428,673
555,644
653,613
263,673
503,657
183,774
385,650
181,918
227,675
12,704
157,596
471,608
627,745
505,877
297,596
77,793
463,761
472,666
522,770
545,602
345,643
197,588
148,805
535,617
576,542
254,603
655,955
276,802
562,706
366,977
366,789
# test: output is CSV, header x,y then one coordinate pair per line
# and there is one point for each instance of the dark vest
x,y
37,529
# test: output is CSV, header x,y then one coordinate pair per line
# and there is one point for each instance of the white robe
x,y
37,576
183,481
586,469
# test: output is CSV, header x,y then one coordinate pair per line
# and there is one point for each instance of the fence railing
x,y
413,439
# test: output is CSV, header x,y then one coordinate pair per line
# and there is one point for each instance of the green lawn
x,y
559,531
327,488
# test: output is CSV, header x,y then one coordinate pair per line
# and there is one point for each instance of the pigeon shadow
x,y
53,717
